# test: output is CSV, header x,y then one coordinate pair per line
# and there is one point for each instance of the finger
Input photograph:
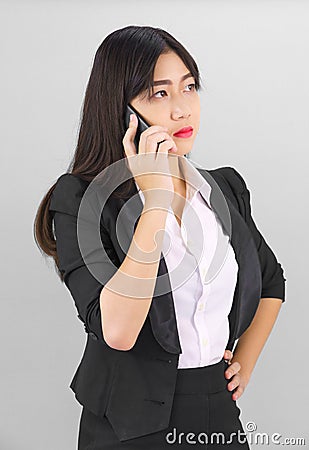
x,y
228,354
153,130
235,382
233,368
128,139
239,391
167,146
150,142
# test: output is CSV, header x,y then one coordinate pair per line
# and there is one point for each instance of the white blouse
x,y
202,301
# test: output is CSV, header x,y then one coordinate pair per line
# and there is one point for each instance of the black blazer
x,y
135,388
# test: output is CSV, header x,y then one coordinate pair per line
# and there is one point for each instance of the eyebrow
x,y
159,82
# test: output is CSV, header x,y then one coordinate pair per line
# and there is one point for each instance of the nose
x,y
178,113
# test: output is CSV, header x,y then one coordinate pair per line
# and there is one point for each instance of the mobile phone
x,y
141,126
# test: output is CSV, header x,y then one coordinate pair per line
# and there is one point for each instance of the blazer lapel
x,y
249,281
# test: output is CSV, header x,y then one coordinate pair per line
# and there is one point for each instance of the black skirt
x,y
204,415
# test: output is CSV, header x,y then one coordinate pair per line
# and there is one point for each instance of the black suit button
x,y
93,336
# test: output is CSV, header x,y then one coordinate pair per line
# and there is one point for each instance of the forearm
x,y
252,341
126,299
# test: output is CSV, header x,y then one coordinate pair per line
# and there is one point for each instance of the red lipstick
x,y
184,132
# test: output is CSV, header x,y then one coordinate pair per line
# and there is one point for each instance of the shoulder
x,y
230,176
67,193
233,186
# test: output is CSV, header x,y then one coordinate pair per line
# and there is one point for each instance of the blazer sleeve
x,y
273,280
84,287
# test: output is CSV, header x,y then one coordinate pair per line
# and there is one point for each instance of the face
x,y
174,103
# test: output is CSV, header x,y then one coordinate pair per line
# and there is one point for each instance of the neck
x,y
179,180
174,168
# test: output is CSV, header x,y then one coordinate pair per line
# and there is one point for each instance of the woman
x,y
158,367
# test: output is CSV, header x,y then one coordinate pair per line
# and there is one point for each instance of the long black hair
x,y
123,68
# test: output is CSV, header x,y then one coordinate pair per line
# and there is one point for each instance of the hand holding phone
x,y
141,126
153,171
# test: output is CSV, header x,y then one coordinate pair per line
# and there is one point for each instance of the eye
x,y
192,86
159,92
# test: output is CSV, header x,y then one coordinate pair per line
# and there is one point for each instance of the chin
x,y
185,151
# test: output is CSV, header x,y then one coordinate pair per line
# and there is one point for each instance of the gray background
x,y
253,57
